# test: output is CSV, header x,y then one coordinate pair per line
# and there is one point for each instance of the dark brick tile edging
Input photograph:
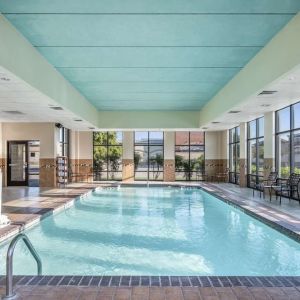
x,y
180,281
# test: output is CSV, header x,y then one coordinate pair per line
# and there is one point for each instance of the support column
x,y
169,156
2,159
269,143
215,153
81,153
243,154
128,155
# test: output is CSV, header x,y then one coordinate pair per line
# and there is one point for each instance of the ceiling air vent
x,y
77,120
56,108
267,93
13,112
215,122
234,111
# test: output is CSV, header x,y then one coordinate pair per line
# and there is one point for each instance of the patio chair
x,y
74,176
288,187
267,184
222,176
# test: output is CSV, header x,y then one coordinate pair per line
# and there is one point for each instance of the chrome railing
x,y
9,262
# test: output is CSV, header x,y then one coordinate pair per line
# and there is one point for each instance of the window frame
x,y
234,174
107,145
148,145
258,178
64,141
189,145
289,131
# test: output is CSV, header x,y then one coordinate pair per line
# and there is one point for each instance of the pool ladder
x,y
10,294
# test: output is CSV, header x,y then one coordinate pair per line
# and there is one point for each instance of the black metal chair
x,y
266,184
288,187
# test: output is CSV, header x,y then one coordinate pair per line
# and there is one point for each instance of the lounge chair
x,y
288,187
222,176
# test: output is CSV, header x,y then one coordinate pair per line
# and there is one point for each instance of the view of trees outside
x,y
255,151
189,155
107,155
148,155
288,140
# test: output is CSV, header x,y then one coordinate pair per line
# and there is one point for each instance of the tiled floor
x,y
155,293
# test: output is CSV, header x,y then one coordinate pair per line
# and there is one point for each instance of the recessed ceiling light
x,y
267,93
92,128
234,111
215,122
265,105
77,120
56,108
13,112
204,127
4,79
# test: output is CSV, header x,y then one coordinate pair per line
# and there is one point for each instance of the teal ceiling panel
x,y
148,30
149,55
153,6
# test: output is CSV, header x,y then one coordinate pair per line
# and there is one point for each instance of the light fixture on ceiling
x,y
267,93
13,112
92,128
234,111
56,108
215,122
77,120
265,105
204,127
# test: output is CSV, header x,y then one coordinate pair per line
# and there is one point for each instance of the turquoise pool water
x,y
156,231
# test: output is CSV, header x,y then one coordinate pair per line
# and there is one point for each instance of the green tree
x,y
137,158
156,161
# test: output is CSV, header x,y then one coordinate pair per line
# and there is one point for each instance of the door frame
x,y
17,183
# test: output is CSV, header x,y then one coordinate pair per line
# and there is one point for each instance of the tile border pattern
x,y
159,281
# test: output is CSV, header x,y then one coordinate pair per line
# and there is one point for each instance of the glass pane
x,y
261,127
237,133
296,152
261,156
115,138
141,158
18,160
283,119
156,175
197,161
296,111
181,157
232,153
197,138
114,157
156,158
283,150
141,175
100,138
66,135
115,175
180,176
60,149
252,157
232,135
66,150
61,134
141,137
182,138
238,157
156,137
98,176
100,158
252,129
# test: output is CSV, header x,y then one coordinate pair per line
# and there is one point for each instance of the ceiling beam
x,y
276,59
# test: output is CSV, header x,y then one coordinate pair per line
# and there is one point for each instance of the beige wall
x,y
44,132
169,145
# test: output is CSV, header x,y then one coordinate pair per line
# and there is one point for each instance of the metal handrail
x,y
9,262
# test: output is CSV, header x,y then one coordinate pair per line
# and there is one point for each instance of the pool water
x,y
156,231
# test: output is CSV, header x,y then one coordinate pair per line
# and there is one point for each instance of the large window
x,y
149,155
63,149
288,140
189,155
255,143
107,154
234,155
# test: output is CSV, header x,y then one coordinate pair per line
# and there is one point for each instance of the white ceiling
x,y
17,95
288,92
